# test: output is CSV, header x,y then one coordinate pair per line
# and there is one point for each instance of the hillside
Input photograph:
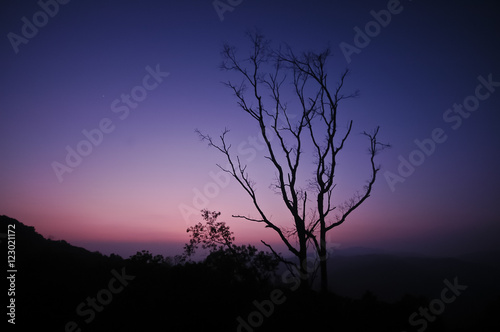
x,y
60,287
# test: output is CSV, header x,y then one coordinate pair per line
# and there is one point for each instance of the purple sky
x,y
129,190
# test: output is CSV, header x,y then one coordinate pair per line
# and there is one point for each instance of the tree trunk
x,y
323,263
305,274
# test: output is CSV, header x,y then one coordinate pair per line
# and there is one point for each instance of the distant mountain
x,y
490,258
392,276
356,251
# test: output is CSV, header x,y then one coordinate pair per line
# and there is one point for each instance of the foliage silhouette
x,y
244,263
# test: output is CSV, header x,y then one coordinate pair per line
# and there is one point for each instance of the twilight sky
x,y
145,73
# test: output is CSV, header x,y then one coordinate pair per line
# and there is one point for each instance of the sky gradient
x,y
133,187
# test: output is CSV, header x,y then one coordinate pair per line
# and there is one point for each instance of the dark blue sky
x,y
142,179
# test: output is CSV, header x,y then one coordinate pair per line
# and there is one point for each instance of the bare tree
x,y
285,137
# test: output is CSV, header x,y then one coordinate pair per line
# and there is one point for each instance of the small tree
x,y
213,235
245,262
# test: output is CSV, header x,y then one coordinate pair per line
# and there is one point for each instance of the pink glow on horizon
x,y
131,188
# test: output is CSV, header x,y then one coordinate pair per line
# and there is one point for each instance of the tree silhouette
x,y
212,235
246,263
285,136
